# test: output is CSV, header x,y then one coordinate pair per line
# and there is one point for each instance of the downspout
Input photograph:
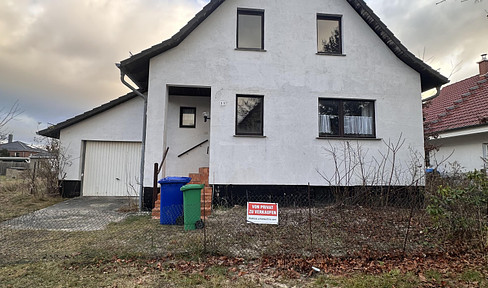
x,y
144,123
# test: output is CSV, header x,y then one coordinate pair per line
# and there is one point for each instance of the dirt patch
x,y
332,230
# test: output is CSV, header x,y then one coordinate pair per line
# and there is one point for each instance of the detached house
x,y
18,148
255,90
458,118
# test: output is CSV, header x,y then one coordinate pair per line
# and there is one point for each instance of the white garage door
x,y
111,168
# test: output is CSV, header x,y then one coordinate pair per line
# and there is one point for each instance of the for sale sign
x,y
262,213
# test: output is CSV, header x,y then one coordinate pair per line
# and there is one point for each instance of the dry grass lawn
x,y
15,199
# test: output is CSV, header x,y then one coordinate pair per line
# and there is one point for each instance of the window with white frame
x,y
346,118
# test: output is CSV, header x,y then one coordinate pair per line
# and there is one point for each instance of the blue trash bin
x,y
171,211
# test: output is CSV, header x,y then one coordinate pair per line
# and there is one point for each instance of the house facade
x,y
457,120
271,93
18,148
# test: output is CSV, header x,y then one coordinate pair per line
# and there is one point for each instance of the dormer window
x,y
329,34
250,29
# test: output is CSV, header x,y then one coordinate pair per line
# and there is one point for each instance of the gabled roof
x,y
137,66
463,104
18,146
54,131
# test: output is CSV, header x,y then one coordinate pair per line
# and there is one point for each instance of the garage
x,y
111,168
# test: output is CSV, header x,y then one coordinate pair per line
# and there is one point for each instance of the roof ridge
x,y
136,67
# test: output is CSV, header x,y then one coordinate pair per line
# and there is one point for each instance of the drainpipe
x,y
144,123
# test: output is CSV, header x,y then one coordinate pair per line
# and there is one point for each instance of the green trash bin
x,y
191,206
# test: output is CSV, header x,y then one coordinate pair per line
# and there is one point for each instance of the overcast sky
x,y
57,56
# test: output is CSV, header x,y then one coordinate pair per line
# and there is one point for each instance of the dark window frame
x,y
260,133
341,115
255,12
330,17
194,115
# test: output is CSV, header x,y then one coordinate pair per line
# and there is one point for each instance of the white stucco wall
x,y
466,150
292,78
121,123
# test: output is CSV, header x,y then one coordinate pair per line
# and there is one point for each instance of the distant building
x,y
18,148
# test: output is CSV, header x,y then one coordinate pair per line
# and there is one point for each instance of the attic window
x,y
250,29
329,34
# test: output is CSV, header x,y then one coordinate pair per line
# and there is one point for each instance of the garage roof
x,y
54,131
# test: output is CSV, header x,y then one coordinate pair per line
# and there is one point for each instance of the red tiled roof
x,y
459,105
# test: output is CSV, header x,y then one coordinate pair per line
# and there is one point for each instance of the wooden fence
x,y
12,164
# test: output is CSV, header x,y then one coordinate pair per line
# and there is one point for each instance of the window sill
x,y
250,136
329,54
349,138
250,49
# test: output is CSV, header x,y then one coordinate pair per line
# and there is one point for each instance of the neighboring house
x,y
19,148
458,118
258,89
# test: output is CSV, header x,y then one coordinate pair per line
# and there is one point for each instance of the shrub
x,y
459,208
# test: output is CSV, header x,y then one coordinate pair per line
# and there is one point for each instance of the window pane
x,y
329,117
249,30
329,35
187,117
249,115
358,118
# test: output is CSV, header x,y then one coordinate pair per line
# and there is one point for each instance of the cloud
x,y
444,35
58,55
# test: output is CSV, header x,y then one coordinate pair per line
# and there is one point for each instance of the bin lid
x,y
192,187
173,180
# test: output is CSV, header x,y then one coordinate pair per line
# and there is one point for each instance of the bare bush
x,y
49,171
375,176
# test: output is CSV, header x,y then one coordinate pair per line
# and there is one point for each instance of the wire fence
x,y
307,225
340,223
374,222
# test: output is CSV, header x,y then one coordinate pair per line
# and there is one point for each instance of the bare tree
x,y
5,116
474,1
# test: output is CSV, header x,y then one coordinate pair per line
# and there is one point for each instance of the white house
x,y
457,120
268,93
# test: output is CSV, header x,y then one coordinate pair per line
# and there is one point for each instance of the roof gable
x,y
460,105
54,131
137,66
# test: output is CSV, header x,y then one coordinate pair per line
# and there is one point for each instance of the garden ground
x,y
139,252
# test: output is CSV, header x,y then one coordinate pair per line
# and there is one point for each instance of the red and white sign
x,y
262,213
